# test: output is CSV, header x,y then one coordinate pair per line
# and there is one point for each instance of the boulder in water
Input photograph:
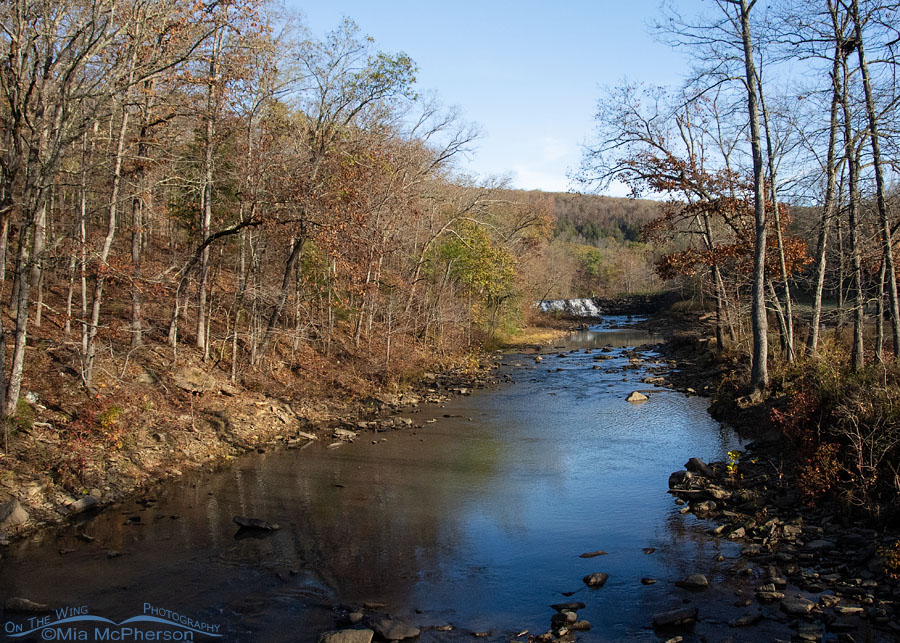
x,y
597,579
694,581
12,514
696,465
685,617
394,630
347,636
255,523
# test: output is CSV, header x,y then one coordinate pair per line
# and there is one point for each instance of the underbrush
x,y
845,430
692,305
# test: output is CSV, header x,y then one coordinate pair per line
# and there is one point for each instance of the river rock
x,y
571,606
12,514
694,581
685,617
797,606
344,434
819,545
717,493
347,636
245,522
829,600
83,504
696,465
592,554
777,581
597,579
767,593
791,531
394,630
25,606
753,549
740,532
580,626
704,507
648,581
809,632
636,397
746,620
564,617
679,478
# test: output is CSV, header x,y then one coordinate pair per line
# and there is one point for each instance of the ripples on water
x,y
477,519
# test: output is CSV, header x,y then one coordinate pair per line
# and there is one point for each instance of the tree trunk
x,y
137,227
787,320
828,207
879,316
100,279
779,316
206,196
887,246
857,359
290,264
759,372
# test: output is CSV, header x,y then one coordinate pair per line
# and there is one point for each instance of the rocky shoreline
x,y
802,566
817,573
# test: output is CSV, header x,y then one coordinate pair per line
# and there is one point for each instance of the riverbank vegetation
x,y
201,201
777,161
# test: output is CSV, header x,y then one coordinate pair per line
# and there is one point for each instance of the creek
x,y
476,519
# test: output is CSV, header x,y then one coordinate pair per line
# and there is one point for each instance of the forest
x,y
777,162
209,178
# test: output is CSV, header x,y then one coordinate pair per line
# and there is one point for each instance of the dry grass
x,y
534,335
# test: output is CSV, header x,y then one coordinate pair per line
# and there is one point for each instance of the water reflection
x,y
476,519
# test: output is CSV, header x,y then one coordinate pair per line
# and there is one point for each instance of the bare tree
x,y
878,165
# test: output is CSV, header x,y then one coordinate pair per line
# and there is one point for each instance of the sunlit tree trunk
x,y
786,320
100,277
759,372
857,358
874,139
206,195
828,207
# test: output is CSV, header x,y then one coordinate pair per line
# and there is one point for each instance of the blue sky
x,y
528,72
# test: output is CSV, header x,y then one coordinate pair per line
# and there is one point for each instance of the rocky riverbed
x,y
826,579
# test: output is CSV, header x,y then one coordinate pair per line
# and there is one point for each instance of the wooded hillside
x,y
206,179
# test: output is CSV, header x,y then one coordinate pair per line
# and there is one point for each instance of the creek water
x,y
475,520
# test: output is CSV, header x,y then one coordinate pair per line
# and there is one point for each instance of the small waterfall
x,y
572,307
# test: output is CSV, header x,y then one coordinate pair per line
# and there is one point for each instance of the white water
x,y
576,307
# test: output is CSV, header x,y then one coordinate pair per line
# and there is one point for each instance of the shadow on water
x,y
476,519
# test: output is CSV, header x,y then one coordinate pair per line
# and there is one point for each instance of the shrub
x,y
845,428
24,415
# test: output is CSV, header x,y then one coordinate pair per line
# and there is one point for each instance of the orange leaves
x,y
690,262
